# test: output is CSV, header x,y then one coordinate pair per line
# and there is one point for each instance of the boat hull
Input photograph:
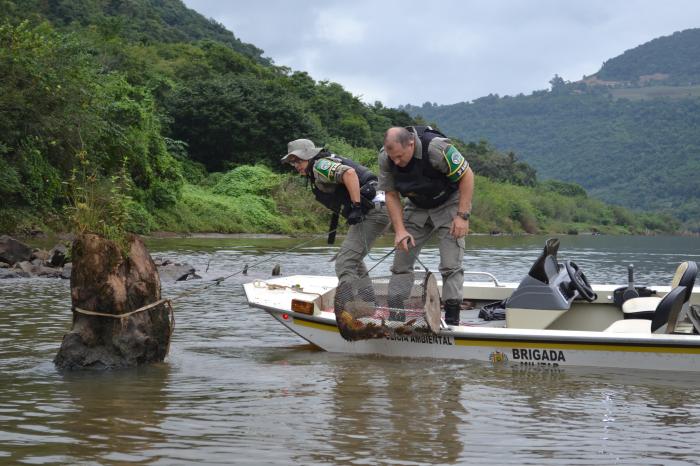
x,y
496,345
510,348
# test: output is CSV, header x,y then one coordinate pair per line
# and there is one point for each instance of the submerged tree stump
x,y
104,281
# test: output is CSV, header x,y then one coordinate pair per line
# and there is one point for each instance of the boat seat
x,y
630,326
546,266
551,268
663,321
644,308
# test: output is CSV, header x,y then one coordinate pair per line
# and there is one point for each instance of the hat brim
x,y
303,154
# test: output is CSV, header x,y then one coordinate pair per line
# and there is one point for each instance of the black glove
x,y
355,216
369,190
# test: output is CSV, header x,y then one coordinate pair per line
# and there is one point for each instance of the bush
x,y
247,179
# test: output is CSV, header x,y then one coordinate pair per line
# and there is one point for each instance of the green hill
x,y
670,60
618,143
141,115
138,21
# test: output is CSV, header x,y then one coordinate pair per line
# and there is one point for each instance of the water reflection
x,y
118,415
382,413
82,417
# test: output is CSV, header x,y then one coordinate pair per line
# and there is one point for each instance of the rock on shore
x,y
17,260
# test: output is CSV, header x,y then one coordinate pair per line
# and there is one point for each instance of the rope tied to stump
x,y
126,314
166,301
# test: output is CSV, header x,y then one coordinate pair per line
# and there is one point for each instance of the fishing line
x,y
217,281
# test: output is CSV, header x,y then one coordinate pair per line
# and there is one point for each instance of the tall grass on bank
x,y
253,199
248,199
506,208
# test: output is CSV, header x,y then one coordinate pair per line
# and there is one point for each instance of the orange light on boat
x,y
302,307
285,316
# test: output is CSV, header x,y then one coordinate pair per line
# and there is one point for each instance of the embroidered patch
x,y
455,163
326,169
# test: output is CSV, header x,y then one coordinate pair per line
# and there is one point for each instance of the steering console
x,y
580,282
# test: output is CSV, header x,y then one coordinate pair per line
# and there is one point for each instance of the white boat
x,y
548,321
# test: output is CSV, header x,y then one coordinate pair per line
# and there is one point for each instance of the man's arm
x,y
460,227
352,184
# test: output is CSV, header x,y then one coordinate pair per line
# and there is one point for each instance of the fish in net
x,y
382,307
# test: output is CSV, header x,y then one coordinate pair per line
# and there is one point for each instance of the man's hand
x,y
355,216
404,240
459,227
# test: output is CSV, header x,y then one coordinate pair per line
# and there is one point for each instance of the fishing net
x,y
385,307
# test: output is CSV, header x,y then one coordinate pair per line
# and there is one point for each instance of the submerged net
x,y
382,307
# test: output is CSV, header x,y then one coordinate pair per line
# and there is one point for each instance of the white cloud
x,y
447,51
337,28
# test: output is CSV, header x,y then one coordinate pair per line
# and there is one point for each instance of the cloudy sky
x,y
447,51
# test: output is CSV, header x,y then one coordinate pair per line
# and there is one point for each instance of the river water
x,y
237,388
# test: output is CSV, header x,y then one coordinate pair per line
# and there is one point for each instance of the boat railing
x,y
491,276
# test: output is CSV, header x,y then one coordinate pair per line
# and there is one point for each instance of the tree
x,y
237,119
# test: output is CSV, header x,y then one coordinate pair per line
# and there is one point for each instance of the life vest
x,y
339,199
419,181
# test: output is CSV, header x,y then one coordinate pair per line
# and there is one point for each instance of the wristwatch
x,y
464,215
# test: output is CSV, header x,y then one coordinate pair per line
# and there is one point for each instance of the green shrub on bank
x,y
247,179
201,210
237,203
290,208
61,106
517,209
361,155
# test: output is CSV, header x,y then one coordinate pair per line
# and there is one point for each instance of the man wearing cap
x,y
348,189
423,165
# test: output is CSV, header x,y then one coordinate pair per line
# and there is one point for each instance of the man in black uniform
x,y
423,165
349,189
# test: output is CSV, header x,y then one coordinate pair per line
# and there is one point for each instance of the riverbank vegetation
x,y
109,130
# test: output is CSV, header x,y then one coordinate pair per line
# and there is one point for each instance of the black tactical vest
x,y
339,200
425,186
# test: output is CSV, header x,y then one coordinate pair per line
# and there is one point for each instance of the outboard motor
x,y
622,294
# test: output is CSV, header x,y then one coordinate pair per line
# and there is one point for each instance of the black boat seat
x,y
643,308
664,319
546,267
551,268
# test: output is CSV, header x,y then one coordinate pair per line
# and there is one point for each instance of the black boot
x,y
367,295
396,313
343,295
452,311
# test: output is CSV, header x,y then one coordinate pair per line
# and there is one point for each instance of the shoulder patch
x,y
326,168
455,162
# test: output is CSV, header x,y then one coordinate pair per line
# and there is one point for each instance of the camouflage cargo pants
x,y
451,257
349,265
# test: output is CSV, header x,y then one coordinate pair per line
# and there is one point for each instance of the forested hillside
x,y
641,153
139,21
142,115
671,60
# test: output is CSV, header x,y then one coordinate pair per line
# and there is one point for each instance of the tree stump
x,y
104,281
